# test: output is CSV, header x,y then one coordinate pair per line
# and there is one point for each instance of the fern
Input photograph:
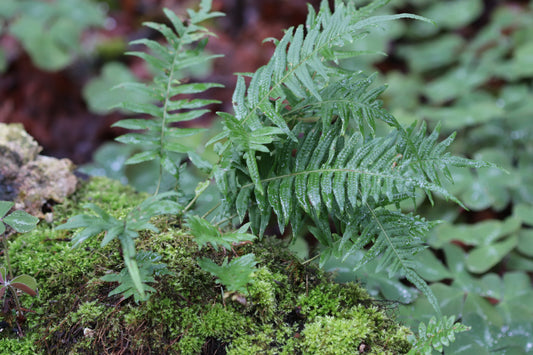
x,y
148,266
170,103
235,275
436,335
301,70
204,233
302,144
125,230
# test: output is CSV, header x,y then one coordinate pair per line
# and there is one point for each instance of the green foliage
x,y
125,230
187,312
50,31
204,232
235,275
470,74
480,89
436,335
310,143
24,283
167,90
97,94
303,144
148,266
21,222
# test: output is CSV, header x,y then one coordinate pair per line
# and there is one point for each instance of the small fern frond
x,y
148,266
171,96
436,335
394,238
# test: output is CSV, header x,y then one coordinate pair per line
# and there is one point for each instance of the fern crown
x,y
302,144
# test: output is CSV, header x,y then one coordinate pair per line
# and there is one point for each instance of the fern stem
x,y
309,260
225,220
159,180
211,209
177,49
190,204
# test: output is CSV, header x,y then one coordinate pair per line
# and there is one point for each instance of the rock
x,y
31,180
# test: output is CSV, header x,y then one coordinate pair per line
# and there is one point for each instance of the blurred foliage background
x,y
471,72
59,57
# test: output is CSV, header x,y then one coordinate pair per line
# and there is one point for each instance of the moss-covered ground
x,y
291,308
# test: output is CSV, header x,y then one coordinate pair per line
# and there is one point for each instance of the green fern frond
x,y
351,99
350,180
304,68
339,172
170,93
148,266
436,335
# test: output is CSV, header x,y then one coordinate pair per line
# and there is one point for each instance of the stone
x,y
32,181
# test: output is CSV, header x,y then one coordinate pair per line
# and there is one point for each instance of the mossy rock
x,y
291,308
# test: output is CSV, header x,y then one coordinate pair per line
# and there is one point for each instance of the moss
x,y
20,346
290,308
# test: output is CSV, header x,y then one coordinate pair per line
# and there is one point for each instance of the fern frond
x,y
351,181
304,68
341,172
171,96
429,158
302,144
436,335
393,237
147,267
352,100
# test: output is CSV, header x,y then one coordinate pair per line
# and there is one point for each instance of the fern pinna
x,y
302,144
185,44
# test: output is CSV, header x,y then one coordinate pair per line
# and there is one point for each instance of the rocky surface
x,y
34,182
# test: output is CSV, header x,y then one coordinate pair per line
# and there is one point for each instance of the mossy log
x,y
291,307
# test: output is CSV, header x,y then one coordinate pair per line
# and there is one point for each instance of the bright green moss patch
x,y
290,308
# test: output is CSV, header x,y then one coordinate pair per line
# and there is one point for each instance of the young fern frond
x,y
171,103
435,335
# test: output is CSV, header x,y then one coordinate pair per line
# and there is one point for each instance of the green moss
x,y
330,335
20,346
290,308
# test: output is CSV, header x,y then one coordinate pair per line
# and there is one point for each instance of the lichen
x,y
290,307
